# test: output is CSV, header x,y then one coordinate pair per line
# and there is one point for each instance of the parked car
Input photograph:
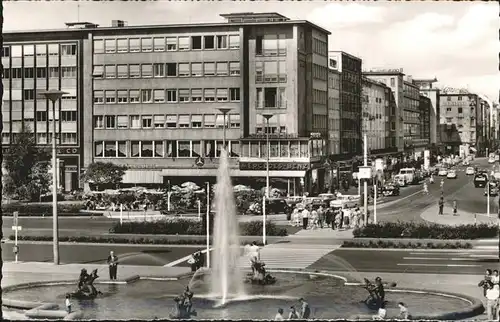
x,y
443,172
480,180
493,189
400,180
452,174
470,171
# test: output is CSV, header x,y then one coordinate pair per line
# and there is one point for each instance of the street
x,y
468,197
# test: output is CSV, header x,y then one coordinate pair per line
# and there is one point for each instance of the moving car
x,y
390,189
409,174
470,171
493,189
452,174
480,180
442,172
400,180
466,162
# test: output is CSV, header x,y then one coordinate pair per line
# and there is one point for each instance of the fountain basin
x,y
328,297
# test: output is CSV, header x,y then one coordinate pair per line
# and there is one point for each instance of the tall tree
x,y
104,173
26,167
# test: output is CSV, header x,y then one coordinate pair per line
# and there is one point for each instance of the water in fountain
x,y
226,278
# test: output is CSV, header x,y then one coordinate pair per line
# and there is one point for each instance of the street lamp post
x,y
267,116
54,95
224,111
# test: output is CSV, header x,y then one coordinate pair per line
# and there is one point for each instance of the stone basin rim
x,y
475,305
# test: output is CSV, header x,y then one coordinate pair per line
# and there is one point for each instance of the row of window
x,y
270,71
320,97
185,95
43,138
164,149
167,70
39,50
65,116
320,72
320,47
31,94
170,121
270,45
270,97
39,72
169,43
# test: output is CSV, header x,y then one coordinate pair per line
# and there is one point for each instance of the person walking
x,y
441,205
403,311
293,313
305,311
67,302
455,210
279,315
492,295
113,265
305,217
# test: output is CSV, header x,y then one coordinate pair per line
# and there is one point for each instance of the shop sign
x,y
274,166
66,151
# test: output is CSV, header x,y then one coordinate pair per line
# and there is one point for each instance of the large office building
x,y
427,90
149,97
415,117
33,62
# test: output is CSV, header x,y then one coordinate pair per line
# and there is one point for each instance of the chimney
x,y
118,23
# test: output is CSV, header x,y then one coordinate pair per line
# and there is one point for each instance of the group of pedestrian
x,y
315,217
441,206
491,292
303,314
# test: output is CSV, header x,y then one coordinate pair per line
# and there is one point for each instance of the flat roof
x,y
344,53
425,80
375,82
8,35
410,84
386,72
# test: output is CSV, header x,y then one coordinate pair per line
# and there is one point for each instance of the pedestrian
x,y
495,279
279,315
293,313
192,262
455,207
485,281
305,217
441,205
67,302
492,294
403,311
113,265
305,311
321,216
381,313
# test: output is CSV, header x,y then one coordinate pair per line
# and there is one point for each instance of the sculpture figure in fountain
x,y
227,280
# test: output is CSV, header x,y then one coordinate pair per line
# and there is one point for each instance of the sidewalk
x,y
463,218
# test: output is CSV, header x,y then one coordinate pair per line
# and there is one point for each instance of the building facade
x,y
460,122
393,78
149,97
33,63
415,111
376,123
350,68
427,90
333,111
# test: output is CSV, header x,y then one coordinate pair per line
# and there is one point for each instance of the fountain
x,y
226,278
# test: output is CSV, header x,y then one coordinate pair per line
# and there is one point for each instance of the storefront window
x,y
235,149
195,149
284,150
263,149
294,150
254,150
245,149
304,149
274,149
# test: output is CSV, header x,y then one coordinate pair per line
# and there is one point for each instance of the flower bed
x,y
190,227
428,231
403,245
39,209
120,240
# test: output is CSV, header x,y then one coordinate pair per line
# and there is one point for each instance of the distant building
x,y
393,78
334,79
426,89
378,108
350,68
415,114
149,97
460,124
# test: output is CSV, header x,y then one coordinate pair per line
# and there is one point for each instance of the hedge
x,y
426,230
403,245
118,240
189,227
39,209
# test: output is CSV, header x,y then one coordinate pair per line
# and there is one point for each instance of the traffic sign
x,y
15,218
16,228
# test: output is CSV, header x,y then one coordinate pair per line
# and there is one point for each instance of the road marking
x,y
439,258
438,265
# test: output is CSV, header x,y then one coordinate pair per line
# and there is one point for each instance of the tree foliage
x,y
104,173
26,167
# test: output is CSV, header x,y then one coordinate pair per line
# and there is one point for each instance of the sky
x,y
456,42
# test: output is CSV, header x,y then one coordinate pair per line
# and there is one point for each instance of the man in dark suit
x,y
113,265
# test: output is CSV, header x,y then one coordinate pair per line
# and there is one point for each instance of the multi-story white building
x,y
375,118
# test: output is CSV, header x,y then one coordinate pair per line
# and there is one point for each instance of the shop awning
x,y
195,172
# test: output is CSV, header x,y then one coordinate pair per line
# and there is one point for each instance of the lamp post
x,y
267,116
207,223
54,95
224,111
